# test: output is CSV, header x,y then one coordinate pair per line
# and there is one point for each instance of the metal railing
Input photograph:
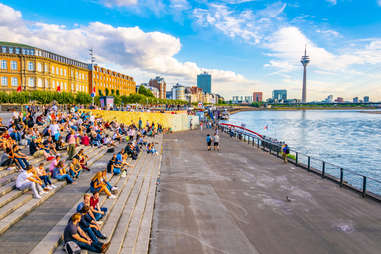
x,y
365,185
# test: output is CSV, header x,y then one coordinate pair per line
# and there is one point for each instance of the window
x,y
4,81
4,64
46,68
72,86
23,51
3,49
57,70
10,50
72,73
39,67
39,82
61,71
76,74
65,85
31,82
14,81
52,69
30,66
17,50
13,65
53,84
65,72
46,83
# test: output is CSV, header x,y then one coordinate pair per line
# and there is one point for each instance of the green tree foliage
x,y
100,92
44,97
117,92
107,92
146,92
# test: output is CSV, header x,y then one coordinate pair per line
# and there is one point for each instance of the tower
x,y
305,61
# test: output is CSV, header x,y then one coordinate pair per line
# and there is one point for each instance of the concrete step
x,y
128,211
53,239
25,206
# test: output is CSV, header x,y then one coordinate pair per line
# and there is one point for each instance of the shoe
x,y
112,197
42,192
103,237
100,223
53,186
105,247
114,188
37,197
46,189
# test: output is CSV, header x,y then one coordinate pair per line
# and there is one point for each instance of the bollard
x,y
296,158
364,186
323,170
341,177
309,163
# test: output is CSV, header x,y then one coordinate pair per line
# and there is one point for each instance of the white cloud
x,y
379,2
329,33
334,2
128,49
119,3
246,25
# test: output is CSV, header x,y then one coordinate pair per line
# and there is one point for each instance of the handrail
x,y
259,137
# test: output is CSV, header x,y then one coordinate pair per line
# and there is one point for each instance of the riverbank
x,y
242,200
244,109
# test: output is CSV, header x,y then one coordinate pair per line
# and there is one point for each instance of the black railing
x,y
365,185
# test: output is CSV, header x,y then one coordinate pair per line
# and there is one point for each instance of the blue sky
x,y
246,45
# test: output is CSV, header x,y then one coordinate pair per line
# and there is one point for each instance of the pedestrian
x,y
286,152
209,142
216,143
201,124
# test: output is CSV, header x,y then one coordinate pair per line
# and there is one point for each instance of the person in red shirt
x,y
99,212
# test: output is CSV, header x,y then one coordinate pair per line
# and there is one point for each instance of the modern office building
x,y
160,84
257,96
248,99
23,67
178,92
366,99
339,100
356,100
204,81
279,95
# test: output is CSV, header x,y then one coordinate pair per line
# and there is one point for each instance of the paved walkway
x,y
235,202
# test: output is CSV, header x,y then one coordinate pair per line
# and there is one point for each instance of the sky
x,y
246,45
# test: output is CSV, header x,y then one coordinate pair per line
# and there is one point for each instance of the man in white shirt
x,y
26,180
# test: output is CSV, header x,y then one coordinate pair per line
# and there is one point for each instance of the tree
x,y
146,92
100,92
112,91
117,92
107,92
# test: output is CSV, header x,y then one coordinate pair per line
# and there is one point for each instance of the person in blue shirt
x,y
209,142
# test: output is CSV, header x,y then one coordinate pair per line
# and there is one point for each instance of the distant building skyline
x,y
257,96
204,81
160,84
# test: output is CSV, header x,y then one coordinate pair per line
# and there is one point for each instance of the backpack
x,y
72,248
287,150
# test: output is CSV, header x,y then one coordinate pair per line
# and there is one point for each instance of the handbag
x,y
72,248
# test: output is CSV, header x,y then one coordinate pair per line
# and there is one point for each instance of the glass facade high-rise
x,y
204,81
280,95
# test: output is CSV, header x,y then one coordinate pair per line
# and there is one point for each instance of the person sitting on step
x,y
82,159
88,225
97,184
75,168
73,232
26,180
60,173
44,176
98,211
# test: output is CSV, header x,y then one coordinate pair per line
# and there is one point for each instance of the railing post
x,y
296,158
309,163
258,143
270,149
253,141
341,177
323,170
248,139
363,186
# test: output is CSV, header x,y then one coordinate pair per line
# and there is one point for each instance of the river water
x,y
346,138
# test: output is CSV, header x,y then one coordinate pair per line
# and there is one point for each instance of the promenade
x,y
235,201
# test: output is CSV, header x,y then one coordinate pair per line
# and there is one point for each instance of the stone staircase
x,y
129,217
15,204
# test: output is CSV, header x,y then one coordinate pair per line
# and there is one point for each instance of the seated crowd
x,y
42,145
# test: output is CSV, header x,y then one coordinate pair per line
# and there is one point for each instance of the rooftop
x,y
13,44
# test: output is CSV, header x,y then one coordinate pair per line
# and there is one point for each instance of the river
x,y
346,138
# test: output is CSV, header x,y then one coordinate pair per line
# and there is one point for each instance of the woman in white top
x,y
26,180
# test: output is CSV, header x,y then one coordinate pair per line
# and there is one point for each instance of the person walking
x,y
216,142
72,141
209,142
285,152
201,124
